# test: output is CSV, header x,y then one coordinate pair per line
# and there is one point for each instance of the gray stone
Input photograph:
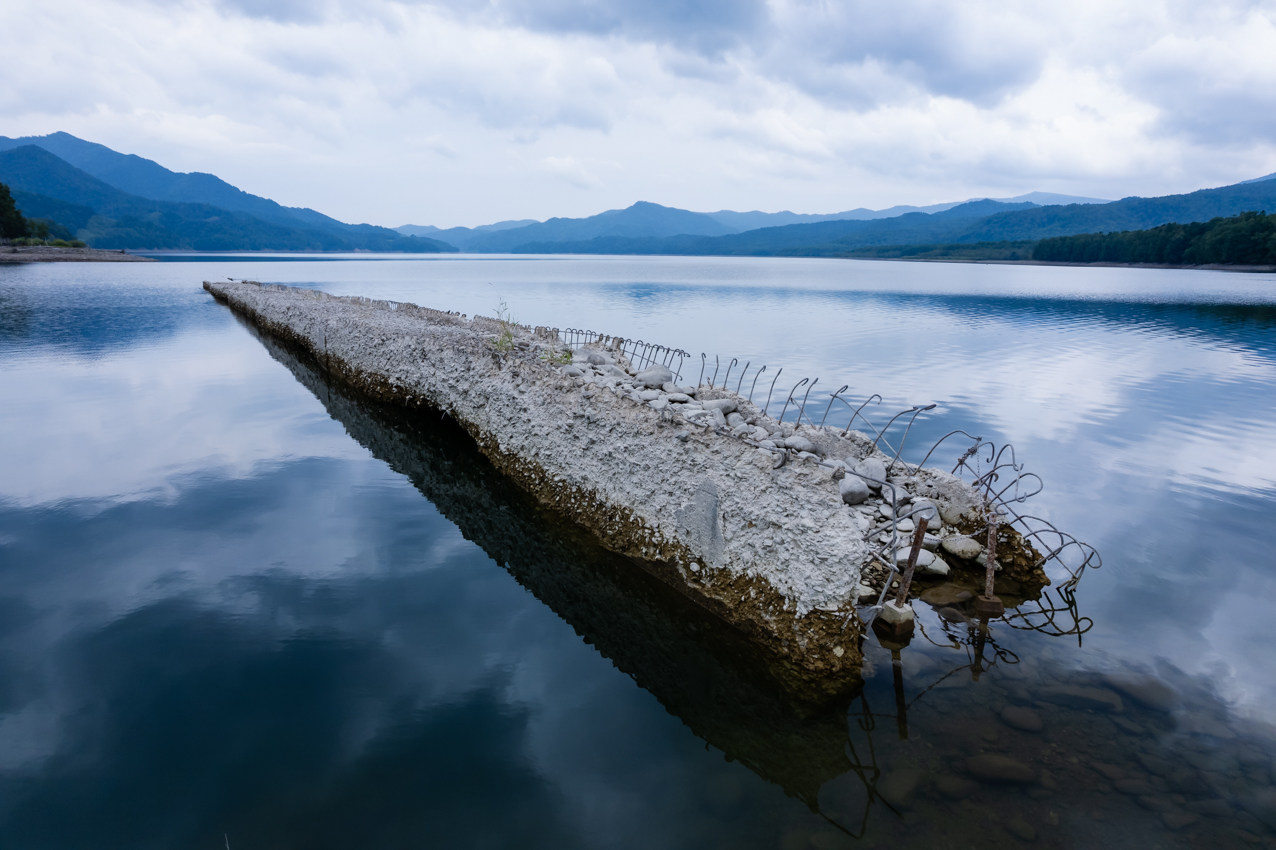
x,y
1022,718
996,768
801,444
679,398
670,387
735,420
952,615
760,433
931,542
924,558
946,594
1148,691
962,547
682,436
1071,696
572,371
655,377
719,420
899,787
658,404
955,787
871,468
853,490
649,395
596,359
920,508
937,566
1020,828
726,405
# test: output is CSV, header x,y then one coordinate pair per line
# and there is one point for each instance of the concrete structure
x,y
746,516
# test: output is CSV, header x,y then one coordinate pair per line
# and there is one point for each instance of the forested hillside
x,y
1245,239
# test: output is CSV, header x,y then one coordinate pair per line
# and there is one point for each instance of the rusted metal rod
x,y
919,536
992,555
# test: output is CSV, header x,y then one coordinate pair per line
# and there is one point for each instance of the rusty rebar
x,y
919,536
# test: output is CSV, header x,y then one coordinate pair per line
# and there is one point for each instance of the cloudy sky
x,y
460,112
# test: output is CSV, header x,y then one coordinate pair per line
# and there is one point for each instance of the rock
x,y
1179,819
682,436
955,787
853,490
904,526
726,405
899,787
946,594
596,359
962,547
1153,765
930,542
735,420
1134,787
1022,718
1095,699
719,420
649,395
952,615
926,509
1020,828
1147,691
658,404
924,558
995,768
615,372
679,398
656,376
937,566
1261,803
760,434
871,468
801,444
572,371
1210,808
671,388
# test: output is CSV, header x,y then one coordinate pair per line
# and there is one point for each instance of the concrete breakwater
x,y
775,527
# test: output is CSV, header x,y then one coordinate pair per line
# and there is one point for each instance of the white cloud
x,y
459,112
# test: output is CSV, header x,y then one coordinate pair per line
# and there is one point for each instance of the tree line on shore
x,y
15,228
1246,239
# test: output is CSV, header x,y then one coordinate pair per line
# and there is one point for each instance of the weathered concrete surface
x,y
775,551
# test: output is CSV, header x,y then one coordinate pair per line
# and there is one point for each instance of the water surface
x,y
239,604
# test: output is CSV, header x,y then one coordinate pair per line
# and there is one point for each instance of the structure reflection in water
x,y
999,729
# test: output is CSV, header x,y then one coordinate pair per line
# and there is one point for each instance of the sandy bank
x,y
50,254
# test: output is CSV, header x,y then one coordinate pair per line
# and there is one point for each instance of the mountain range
x,y
115,200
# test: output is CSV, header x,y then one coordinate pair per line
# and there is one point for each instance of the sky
x,y
464,113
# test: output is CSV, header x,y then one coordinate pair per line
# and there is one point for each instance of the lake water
x,y
241,607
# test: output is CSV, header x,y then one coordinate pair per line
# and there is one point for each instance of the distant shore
x,y
51,254
1215,267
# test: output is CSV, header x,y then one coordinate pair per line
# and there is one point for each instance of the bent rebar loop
x,y
917,411
802,409
840,390
938,442
856,412
743,372
703,359
754,385
790,398
768,393
717,364
682,356
727,376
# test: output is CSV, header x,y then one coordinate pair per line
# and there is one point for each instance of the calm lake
x,y
242,608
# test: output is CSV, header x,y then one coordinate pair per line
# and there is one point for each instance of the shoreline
x,y
52,254
1211,267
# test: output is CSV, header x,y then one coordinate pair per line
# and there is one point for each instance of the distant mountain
x,y
1271,176
637,222
800,239
974,222
45,186
643,219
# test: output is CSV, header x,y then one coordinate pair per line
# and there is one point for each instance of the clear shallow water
x,y
237,602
